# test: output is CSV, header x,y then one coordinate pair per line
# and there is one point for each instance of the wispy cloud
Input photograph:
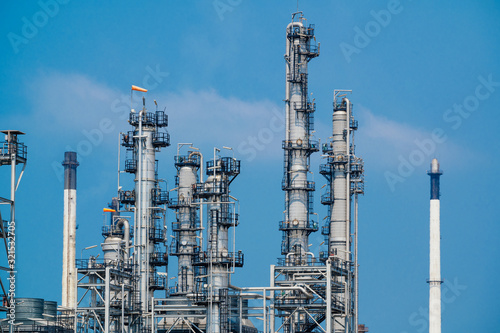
x,y
73,106
206,116
385,142
69,101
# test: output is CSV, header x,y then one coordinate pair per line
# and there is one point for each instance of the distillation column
x,y
435,252
219,260
148,199
298,146
187,224
69,231
344,173
340,217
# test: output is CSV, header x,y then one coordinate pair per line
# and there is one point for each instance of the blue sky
x,y
425,81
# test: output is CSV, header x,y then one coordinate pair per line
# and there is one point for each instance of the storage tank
x,y
50,310
29,308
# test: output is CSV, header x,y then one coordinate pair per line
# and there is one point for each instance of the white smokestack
x,y
435,252
69,270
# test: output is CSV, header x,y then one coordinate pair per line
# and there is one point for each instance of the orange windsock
x,y
139,89
108,210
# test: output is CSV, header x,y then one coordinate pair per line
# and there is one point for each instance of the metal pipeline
x,y
348,176
126,236
299,288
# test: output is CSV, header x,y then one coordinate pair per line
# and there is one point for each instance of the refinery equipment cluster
x,y
126,289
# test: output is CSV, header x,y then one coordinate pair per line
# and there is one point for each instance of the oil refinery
x,y
125,288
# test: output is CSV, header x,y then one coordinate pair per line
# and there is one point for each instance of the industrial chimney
x,y
435,252
69,270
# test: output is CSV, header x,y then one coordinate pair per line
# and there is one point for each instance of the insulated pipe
x,y
356,280
201,206
70,164
348,179
126,236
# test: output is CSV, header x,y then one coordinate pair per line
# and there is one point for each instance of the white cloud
x,y
69,106
253,128
384,142
69,101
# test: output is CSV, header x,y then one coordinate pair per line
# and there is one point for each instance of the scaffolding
x,y
12,152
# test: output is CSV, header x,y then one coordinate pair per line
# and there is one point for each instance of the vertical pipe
x,y
264,313
106,300
348,181
126,239
69,277
271,312
119,136
138,221
356,283
328,295
123,306
153,315
348,294
75,307
241,312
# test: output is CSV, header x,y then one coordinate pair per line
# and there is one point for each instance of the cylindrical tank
x,y
112,249
50,310
29,308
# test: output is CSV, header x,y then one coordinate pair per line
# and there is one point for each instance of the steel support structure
x,y
12,153
106,302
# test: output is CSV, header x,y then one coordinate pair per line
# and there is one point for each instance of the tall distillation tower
x,y
186,227
345,175
298,146
149,226
216,264
119,288
299,307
